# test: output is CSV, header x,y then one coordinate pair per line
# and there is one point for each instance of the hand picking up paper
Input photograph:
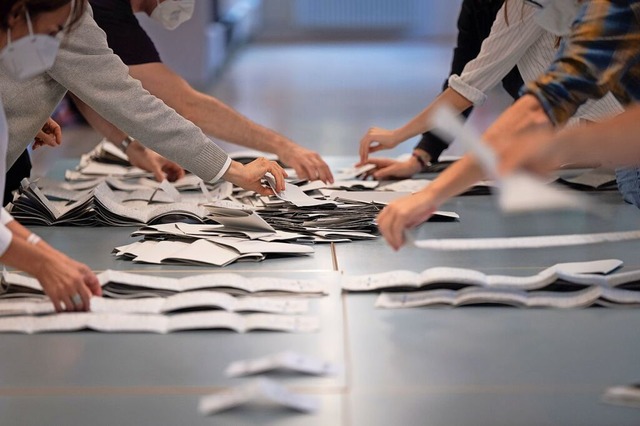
x,y
518,192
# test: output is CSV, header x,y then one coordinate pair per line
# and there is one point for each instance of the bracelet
x,y
33,239
125,143
423,163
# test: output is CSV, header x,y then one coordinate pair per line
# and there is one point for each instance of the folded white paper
x,y
260,389
571,272
288,360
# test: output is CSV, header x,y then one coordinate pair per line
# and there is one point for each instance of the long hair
x,y
36,7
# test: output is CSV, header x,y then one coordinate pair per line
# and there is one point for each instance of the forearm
x,y
453,181
220,121
422,122
102,126
613,143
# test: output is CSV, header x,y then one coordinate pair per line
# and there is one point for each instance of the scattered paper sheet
x,y
164,305
289,360
260,389
628,395
150,323
526,242
296,196
582,273
118,283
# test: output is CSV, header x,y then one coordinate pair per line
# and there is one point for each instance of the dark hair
x,y
36,7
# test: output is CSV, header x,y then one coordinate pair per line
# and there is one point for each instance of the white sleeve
x,y
5,238
5,217
499,53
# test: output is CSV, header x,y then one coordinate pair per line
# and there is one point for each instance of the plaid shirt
x,y
601,54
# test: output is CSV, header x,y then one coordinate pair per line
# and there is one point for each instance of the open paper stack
x,y
565,285
142,303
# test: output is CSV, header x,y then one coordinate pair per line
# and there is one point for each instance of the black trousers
x,y
20,170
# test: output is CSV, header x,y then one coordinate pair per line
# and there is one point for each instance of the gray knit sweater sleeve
x,y
87,67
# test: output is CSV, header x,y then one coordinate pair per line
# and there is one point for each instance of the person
x,y
515,39
129,41
474,24
28,43
599,54
88,68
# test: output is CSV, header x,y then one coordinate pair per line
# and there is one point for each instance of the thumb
x,y
157,172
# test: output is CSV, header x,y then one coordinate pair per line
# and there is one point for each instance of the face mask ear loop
x,y
29,24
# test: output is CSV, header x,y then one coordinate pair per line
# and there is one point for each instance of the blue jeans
x,y
629,184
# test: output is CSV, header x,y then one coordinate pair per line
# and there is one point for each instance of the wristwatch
x,y
125,143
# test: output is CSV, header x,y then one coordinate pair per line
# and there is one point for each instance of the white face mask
x,y
556,16
172,13
30,55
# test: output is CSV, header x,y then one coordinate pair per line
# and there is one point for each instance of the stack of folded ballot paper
x,y
142,303
564,285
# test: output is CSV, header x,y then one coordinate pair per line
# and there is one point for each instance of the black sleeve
x,y
474,25
125,36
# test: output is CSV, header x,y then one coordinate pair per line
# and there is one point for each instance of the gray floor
x,y
469,366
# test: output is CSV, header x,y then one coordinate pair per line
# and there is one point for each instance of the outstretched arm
x,y
223,122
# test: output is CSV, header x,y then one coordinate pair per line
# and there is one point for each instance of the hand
x,y
307,164
377,139
250,176
387,168
146,159
51,135
63,279
403,214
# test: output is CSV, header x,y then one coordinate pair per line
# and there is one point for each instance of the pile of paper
x,y
143,303
565,285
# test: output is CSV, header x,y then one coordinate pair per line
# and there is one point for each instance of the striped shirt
x,y
602,54
517,40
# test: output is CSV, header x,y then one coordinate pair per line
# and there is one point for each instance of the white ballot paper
x,y
525,242
288,360
576,271
118,283
295,195
163,305
515,190
623,395
260,390
150,323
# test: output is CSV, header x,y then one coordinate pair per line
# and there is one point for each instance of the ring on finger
x,y
76,299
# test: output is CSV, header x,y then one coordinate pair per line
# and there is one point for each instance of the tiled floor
x,y
323,96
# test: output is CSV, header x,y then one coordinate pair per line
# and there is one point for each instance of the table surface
x,y
465,366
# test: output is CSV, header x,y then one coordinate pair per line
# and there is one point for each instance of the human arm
x,y
613,143
88,68
509,39
524,115
139,155
61,277
593,59
223,122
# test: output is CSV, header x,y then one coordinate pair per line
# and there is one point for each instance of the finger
x,y
57,131
56,302
324,172
263,190
85,295
305,171
36,144
278,174
157,171
396,232
68,304
46,139
365,147
92,283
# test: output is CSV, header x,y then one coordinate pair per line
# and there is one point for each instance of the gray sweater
x,y
87,67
